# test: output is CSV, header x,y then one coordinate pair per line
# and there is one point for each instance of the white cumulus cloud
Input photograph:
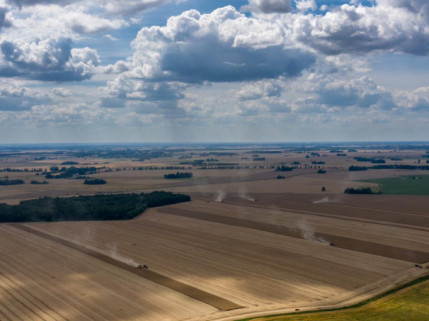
x,y
17,98
48,60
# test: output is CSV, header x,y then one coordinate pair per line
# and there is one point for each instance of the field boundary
x,y
346,218
347,243
354,306
190,291
365,295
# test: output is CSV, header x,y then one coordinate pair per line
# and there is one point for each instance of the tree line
x,y
178,175
87,208
11,182
364,168
361,190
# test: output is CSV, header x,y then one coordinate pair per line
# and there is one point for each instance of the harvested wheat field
x,y
44,280
124,181
258,238
219,260
297,182
409,303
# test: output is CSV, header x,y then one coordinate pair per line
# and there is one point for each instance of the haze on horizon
x,y
213,71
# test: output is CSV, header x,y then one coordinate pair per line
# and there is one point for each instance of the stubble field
x,y
248,244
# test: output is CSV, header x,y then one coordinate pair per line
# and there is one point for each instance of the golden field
x,y
247,244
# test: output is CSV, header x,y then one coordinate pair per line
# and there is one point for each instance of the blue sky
x,y
215,71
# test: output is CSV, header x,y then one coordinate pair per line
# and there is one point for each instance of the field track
x,y
208,298
339,241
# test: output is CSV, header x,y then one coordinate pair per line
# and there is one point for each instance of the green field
x,y
404,185
408,304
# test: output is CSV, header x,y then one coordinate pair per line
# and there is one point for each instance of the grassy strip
x,y
358,305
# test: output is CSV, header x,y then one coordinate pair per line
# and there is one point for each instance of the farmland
x,y
404,185
408,304
246,245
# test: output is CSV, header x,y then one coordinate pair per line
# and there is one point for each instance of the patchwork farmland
x,y
245,246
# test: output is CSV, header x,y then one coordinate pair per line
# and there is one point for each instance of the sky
x,y
99,71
